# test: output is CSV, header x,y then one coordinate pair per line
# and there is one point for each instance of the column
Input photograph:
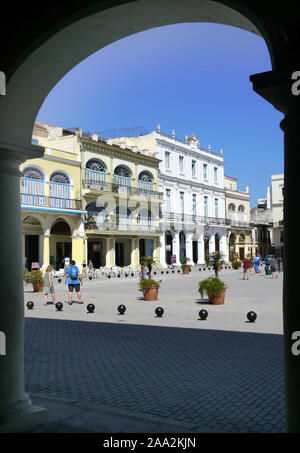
x,y
17,413
46,250
176,246
156,250
107,253
212,244
276,87
189,248
162,243
200,244
113,251
78,250
224,248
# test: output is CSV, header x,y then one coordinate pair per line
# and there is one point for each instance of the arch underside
x,y
49,62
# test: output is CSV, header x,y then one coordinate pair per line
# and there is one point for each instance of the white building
x,y
192,180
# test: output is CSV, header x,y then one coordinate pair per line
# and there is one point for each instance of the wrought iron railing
x,y
122,226
115,187
189,218
49,202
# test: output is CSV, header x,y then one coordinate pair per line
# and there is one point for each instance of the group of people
x,y
271,266
74,280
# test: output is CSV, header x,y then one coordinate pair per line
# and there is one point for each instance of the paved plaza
x,y
106,372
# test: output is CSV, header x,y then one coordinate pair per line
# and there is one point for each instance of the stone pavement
x,y
104,372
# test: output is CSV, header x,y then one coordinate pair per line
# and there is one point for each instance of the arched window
x,y
60,178
241,238
32,187
95,174
241,208
59,190
122,176
231,207
32,173
96,165
145,181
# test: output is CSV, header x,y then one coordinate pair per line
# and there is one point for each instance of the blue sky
x,y
187,77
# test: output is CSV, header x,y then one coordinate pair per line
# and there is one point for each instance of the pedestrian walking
x,y
256,261
74,279
48,285
84,268
267,264
273,267
279,260
246,266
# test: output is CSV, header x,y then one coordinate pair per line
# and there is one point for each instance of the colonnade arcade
x,y
177,245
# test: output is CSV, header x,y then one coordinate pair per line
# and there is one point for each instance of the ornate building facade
x,y
191,178
88,199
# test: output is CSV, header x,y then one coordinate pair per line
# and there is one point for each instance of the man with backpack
x,y
74,279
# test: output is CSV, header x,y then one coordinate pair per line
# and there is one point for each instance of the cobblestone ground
x,y
206,379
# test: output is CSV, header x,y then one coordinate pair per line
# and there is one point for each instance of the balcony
x,y
122,224
194,219
43,201
239,220
118,186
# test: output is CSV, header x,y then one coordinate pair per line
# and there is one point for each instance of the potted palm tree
x,y
184,266
35,278
148,285
215,260
214,288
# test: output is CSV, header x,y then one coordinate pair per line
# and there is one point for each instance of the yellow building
x,y
120,197
88,199
241,237
52,215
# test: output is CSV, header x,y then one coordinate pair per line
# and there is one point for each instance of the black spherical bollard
x,y
162,272
108,276
159,311
90,277
90,308
119,275
173,272
121,309
167,272
132,275
155,273
59,280
126,275
178,271
59,306
251,315
30,305
203,314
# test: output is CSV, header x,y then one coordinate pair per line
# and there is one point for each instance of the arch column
x,y
212,244
176,246
276,88
223,247
200,245
46,250
189,248
16,410
162,242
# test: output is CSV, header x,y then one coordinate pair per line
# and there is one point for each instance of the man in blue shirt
x,y
74,279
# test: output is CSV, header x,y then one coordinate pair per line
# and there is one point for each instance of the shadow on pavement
x,y
205,380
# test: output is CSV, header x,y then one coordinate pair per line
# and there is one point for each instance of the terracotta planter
x,y
218,300
38,287
151,292
186,270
